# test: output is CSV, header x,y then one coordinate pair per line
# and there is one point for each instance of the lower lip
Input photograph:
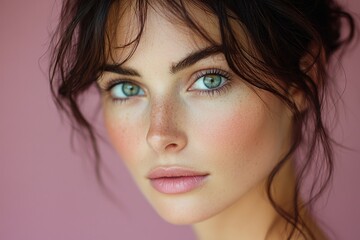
x,y
173,185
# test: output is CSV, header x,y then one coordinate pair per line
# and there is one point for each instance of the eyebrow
x,y
186,62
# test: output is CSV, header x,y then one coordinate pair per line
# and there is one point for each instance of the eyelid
x,y
106,86
211,71
112,82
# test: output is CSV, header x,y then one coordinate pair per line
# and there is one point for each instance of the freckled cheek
x,y
124,135
243,137
235,130
241,141
240,145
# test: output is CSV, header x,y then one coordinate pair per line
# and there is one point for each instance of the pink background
x,y
49,192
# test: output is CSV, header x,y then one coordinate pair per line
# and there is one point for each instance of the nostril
x,y
171,146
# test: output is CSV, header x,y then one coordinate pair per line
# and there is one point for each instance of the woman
x,y
214,106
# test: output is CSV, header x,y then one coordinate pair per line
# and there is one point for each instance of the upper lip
x,y
175,171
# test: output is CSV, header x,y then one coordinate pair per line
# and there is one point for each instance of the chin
x,y
183,218
183,211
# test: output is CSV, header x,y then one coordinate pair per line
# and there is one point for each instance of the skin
x,y
236,135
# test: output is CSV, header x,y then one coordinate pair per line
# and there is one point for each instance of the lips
x,y
176,180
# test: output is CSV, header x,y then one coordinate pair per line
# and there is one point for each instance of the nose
x,y
165,134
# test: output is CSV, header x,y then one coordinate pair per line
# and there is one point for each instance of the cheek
x,y
248,134
123,134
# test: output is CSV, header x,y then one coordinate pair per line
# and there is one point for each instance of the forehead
x,y
130,27
163,34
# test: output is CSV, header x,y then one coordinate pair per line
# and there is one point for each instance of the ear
x,y
312,64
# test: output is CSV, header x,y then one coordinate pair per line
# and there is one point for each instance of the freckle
x,y
164,116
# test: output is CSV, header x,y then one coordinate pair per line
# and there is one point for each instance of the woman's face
x,y
195,137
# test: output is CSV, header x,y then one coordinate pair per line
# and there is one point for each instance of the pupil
x,y
130,89
212,81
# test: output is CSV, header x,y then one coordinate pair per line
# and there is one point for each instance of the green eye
x,y
130,89
212,81
209,82
126,90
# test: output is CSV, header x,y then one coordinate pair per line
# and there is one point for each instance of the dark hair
x,y
291,44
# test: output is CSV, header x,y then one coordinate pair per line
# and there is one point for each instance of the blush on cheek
x,y
237,129
122,137
245,134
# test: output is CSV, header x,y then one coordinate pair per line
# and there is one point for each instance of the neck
x,y
249,218
253,216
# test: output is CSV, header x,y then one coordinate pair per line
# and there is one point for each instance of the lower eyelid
x,y
216,91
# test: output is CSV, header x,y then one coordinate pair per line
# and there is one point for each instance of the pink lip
x,y
174,180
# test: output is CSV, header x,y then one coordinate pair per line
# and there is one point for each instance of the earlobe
x,y
313,62
312,65
298,97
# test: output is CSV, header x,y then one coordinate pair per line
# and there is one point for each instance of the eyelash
x,y
202,73
218,90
